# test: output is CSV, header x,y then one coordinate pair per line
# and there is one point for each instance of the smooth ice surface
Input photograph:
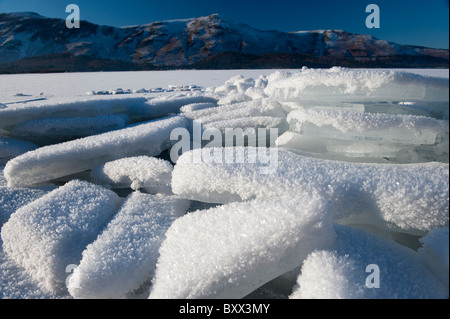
x,y
124,256
355,85
406,197
50,162
230,250
434,252
49,234
346,271
135,173
347,125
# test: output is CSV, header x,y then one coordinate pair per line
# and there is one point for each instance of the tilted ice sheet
x,y
49,234
50,162
71,107
230,250
124,256
405,197
363,266
353,85
136,173
165,105
197,106
348,125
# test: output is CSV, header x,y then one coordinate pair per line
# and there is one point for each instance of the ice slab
x,y
140,172
54,161
255,123
166,105
262,107
124,256
410,198
13,115
348,125
229,251
434,252
11,199
48,235
197,106
363,151
364,266
56,130
353,85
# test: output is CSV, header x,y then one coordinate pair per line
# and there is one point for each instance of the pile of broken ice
x,y
101,199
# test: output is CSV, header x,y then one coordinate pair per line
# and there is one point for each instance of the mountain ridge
x,y
30,42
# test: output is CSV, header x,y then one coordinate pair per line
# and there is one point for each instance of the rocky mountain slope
x,y
33,43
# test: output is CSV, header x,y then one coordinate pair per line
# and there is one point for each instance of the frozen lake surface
x,y
309,183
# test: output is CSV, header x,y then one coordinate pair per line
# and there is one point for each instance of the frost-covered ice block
x,y
80,107
262,107
411,198
12,147
11,199
308,144
216,110
229,251
347,125
434,252
124,256
255,122
140,172
364,266
54,161
49,234
197,106
60,129
350,85
165,105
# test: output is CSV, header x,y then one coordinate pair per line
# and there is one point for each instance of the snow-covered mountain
x,y
30,43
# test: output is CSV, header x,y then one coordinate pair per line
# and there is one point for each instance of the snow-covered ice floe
x,y
349,200
412,198
123,258
229,251
53,161
361,265
49,234
152,174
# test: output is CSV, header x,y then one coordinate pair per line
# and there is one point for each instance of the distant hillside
x,y
33,43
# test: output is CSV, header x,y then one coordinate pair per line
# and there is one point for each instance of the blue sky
x,y
415,22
